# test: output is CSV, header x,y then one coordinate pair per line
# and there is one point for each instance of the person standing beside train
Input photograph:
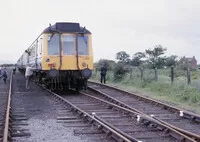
x,y
28,74
103,74
4,75
14,70
0,70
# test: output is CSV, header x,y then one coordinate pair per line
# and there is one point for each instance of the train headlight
x,y
47,60
84,64
86,73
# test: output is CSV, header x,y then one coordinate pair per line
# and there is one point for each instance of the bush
x,y
119,71
179,73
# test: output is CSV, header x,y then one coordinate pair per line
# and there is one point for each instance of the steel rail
x,y
146,118
122,104
6,127
118,130
174,133
91,118
189,134
186,114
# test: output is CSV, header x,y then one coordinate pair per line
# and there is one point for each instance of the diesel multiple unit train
x,y
61,56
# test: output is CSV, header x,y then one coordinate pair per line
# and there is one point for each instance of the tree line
x,y
149,59
152,58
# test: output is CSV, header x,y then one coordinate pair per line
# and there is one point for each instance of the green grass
x,y
179,93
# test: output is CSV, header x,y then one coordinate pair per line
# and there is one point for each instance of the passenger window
x,y
32,50
53,45
83,45
68,44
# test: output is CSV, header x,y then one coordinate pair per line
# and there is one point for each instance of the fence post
x,y
156,75
188,76
131,73
172,74
96,69
142,73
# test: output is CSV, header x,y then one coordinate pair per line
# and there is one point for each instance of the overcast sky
x,y
116,25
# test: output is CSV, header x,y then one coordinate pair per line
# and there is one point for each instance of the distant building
x,y
192,62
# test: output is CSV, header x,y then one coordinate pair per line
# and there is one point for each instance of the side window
x,y
83,45
68,44
53,45
39,51
33,50
41,45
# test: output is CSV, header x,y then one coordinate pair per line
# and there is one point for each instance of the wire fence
x,y
141,78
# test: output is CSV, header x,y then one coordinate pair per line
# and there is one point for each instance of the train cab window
x,y
83,45
68,43
53,45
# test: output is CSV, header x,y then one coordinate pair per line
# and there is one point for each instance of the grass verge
x,y
178,94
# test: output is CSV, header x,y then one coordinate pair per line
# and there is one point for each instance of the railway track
x,y
29,106
176,118
117,122
44,116
5,101
48,119
110,121
101,132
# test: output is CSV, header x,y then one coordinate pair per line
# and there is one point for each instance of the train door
x,y
68,51
83,51
54,51
39,53
25,59
36,53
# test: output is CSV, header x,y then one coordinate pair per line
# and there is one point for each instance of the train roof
x,y
69,27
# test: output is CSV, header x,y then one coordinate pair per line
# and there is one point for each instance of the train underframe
x,y
64,80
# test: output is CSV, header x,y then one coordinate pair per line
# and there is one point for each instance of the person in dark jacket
x,y
103,74
4,75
